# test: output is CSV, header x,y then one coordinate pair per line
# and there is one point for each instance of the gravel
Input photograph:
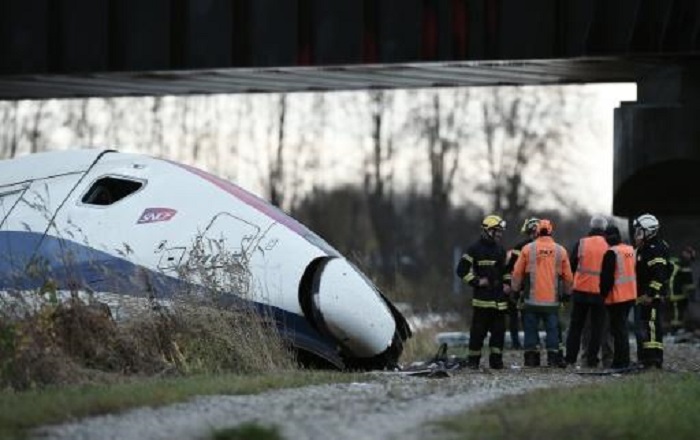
x,y
386,406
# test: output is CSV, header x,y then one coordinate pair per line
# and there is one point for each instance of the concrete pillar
x,y
657,145
657,153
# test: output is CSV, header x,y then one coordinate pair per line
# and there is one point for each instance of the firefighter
x,y
652,285
529,230
484,268
618,286
682,287
586,261
539,270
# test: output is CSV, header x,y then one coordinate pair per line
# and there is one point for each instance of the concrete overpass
x,y
86,48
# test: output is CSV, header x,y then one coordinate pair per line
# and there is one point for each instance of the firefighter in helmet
x,y
484,268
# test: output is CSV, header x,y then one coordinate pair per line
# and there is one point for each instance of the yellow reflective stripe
x,y
675,298
685,269
672,279
516,251
655,285
468,277
507,276
486,262
498,305
495,350
474,352
653,344
652,326
482,303
676,315
658,260
468,258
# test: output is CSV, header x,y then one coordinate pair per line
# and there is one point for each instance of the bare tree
x,y
305,163
525,131
11,122
276,169
84,128
378,184
157,134
35,133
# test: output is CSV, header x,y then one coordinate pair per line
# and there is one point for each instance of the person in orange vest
x,y
618,285
538,271
586,261
529,230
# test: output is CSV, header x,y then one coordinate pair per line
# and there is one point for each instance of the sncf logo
x,y
152,215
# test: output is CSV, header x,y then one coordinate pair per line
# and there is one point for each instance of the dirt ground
x,y
385,406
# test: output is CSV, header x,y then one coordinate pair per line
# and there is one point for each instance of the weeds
x,y
647,406
207,325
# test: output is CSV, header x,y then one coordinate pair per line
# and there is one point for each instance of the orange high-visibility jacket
x,y
625,287
590,259
545,262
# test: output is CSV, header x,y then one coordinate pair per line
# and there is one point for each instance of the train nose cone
x,y
352,310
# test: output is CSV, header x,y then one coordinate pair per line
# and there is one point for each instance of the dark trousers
x,y
606,340
618,314
487,320
531,319
650,349
579,312
514,323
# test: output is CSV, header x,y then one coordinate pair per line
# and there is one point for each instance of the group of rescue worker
x,y
604,279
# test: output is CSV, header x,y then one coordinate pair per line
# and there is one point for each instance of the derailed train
x,y
84,216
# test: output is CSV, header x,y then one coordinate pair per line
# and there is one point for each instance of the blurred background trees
x,y
396,180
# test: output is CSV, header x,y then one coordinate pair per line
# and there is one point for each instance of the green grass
x,y
21,411
247,431
647,406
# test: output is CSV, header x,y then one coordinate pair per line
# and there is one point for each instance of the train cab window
x,y
109,190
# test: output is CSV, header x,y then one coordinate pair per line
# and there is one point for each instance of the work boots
x,y
496,361
554,359
473,362
532,358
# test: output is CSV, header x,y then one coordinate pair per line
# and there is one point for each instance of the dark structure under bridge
x,y
91,48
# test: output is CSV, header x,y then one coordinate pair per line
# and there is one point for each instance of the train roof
x,y
47,164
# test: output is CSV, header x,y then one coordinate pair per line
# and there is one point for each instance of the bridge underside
x,y
109,48
327,78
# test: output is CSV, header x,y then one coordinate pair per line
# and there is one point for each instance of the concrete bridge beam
x,y
657,145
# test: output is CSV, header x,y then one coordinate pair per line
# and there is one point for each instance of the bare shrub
x,y
220,327
212,339
210,326
29,355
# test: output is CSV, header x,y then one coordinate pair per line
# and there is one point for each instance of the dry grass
x,y
49,337
423,346
74,342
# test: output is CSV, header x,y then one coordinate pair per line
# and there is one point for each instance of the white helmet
x,y
598,222
645,227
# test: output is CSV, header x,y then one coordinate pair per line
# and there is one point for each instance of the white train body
x,y
119,223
